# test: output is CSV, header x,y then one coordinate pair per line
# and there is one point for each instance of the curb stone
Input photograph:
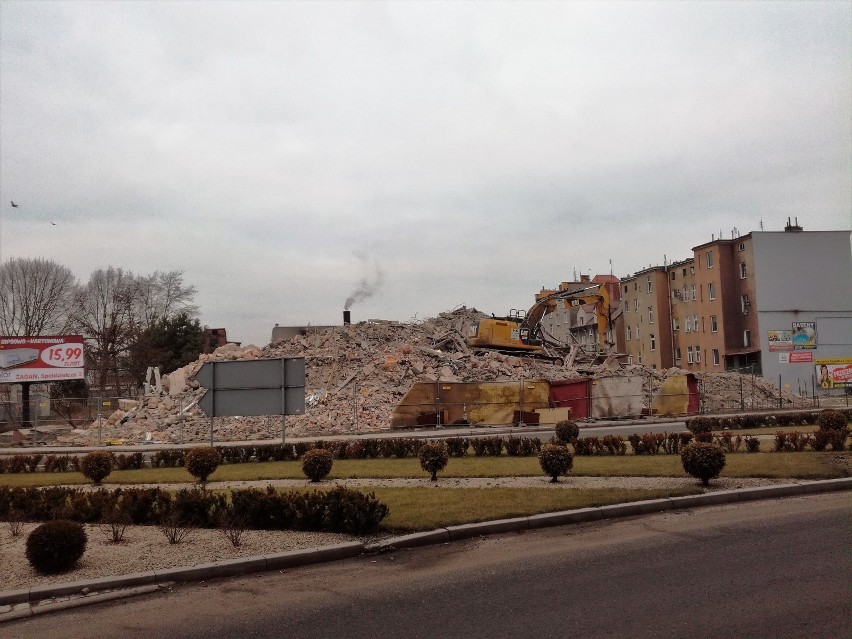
x,y
16,604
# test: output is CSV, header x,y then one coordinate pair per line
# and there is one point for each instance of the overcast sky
x,y
449,153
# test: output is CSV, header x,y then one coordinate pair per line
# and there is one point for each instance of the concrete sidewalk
x,y
17,604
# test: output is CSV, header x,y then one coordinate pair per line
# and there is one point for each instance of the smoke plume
x,y
367,287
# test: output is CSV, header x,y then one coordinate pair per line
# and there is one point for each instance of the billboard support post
x,y
213,393
25,405
283,402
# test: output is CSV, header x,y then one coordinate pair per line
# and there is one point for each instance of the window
x,y
692,270
743,273
745,304
649,283
746,338
625,288
685,293
693,292
650,314
742,247
677,353
629,333
637,332
695,323
709,259
684,272
653,342
689,354
711,290
714,326
697,355
715,357
675,325
674,275
636,305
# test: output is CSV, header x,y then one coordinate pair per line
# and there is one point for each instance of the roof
x,y
605,279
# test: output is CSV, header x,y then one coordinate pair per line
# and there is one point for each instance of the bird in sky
x,y
14,206
54,223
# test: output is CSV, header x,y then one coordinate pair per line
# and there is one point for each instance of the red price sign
x,y
63,356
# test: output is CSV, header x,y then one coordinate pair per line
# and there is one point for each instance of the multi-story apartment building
x,y
724,275
685,320
802,283
647,318
737,304
772,303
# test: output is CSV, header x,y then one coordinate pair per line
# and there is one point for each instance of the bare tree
x,y
162,296
116,309
35,296
103,311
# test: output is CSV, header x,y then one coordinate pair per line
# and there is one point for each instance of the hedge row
x,y
64,463
765,420
337,510
673,443
820,440
359,449
640,443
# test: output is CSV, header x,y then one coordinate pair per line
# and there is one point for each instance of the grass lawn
x,y
413,509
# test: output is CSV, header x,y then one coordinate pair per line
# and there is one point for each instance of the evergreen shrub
x,y
201,462
555,460
96,466
567,431
55,546
703,460
317,463
433,458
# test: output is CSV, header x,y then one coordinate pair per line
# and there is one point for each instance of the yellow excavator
x,y
521,332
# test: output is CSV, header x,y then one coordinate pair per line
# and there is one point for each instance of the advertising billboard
x,y
41,359
781,340
834,373
804,335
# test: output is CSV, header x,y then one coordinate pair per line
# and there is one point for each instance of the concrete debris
x,y
358,373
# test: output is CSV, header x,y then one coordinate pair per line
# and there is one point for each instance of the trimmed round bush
x,y
703,460
96,466
201,462
317,463
555,460
702,428
56,546
567,431
433,458
832,420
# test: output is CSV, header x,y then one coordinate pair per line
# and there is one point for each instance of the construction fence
x,y
618,396
67,411
427,404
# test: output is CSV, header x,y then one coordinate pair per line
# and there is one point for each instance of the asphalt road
x,y
764,569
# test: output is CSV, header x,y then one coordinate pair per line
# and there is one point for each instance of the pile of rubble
x,y
356,375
